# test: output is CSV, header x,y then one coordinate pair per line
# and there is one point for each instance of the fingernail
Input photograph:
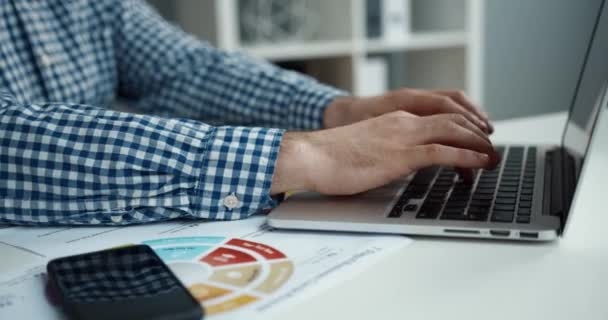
x,y
484,126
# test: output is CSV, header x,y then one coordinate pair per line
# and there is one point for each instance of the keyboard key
x,y
509,184
505,201
507,195
441,188
396,212
486,185
453,216
410,207
507,189
456,204
502,216
526,191
485,191
525,204
435,199
428,211
504,207
481,203
425,176
489,175
523,219
443,184
512,176
453,210
477,216
483,197
459,199
524,212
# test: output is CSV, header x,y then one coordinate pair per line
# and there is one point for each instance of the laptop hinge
x,y
560,180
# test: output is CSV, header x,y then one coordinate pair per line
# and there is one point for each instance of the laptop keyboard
x,y
500,195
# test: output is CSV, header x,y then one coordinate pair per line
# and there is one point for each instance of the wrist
x,y
293,163
338,112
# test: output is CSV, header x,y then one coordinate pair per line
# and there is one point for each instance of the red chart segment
x,y
262,249
225,274
226,256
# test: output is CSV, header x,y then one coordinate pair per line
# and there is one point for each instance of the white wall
x,y
533,51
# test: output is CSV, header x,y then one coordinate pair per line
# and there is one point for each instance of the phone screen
x,y
123,283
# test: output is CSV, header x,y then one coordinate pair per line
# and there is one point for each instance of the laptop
x,y
527,197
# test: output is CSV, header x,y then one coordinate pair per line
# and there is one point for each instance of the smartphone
x,y
123,283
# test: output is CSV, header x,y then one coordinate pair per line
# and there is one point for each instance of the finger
x,y
447,129
431,104
442,155
462,99
464,122
444,129
467,175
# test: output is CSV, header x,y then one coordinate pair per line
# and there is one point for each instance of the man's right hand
x,y
374,152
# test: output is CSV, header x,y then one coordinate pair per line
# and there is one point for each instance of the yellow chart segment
x,y
203,292
229,305
237,276
225,274
279,274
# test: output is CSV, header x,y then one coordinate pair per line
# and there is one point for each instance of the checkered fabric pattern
x,y
65,158
113,276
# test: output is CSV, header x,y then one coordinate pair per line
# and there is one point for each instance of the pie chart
x,y
223,273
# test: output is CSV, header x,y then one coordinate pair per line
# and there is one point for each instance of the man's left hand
x,y
347,110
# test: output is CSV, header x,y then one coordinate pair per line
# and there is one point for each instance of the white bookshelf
x,y
442,47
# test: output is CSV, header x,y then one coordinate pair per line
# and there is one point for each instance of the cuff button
x,y
116,218
231,201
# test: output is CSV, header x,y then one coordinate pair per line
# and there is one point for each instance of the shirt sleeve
x,y
172,73
80,164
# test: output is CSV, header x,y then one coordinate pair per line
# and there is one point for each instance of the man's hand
x,y
347,110
367,154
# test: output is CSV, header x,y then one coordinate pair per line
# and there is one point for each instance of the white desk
x,y
474,279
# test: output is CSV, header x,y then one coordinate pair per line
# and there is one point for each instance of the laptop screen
x,y
590,95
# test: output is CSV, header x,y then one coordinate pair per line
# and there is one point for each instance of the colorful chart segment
x,y
224,274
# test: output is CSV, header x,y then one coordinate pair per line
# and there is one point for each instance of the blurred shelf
x,y
300,50
419,41
442,47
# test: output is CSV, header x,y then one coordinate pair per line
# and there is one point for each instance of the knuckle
x,y
397,114
401,115
432,151
459,94
444,101
396,96
458,118
452,127
396,119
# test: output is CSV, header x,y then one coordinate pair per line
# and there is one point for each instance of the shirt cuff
x,y
310,102
237,171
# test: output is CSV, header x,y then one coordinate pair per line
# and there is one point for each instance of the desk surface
x,y
476,279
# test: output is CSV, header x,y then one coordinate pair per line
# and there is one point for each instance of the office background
x,y
517,57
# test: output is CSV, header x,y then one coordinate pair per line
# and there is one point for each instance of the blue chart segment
x,y
180,253
222,273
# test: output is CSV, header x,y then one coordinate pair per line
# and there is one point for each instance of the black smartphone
x,y
123,283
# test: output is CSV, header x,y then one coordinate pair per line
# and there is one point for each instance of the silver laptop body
x,y
534,185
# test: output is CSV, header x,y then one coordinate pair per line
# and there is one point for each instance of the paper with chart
x,y
235,269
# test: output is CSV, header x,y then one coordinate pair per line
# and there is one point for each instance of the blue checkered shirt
x,y
66,158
